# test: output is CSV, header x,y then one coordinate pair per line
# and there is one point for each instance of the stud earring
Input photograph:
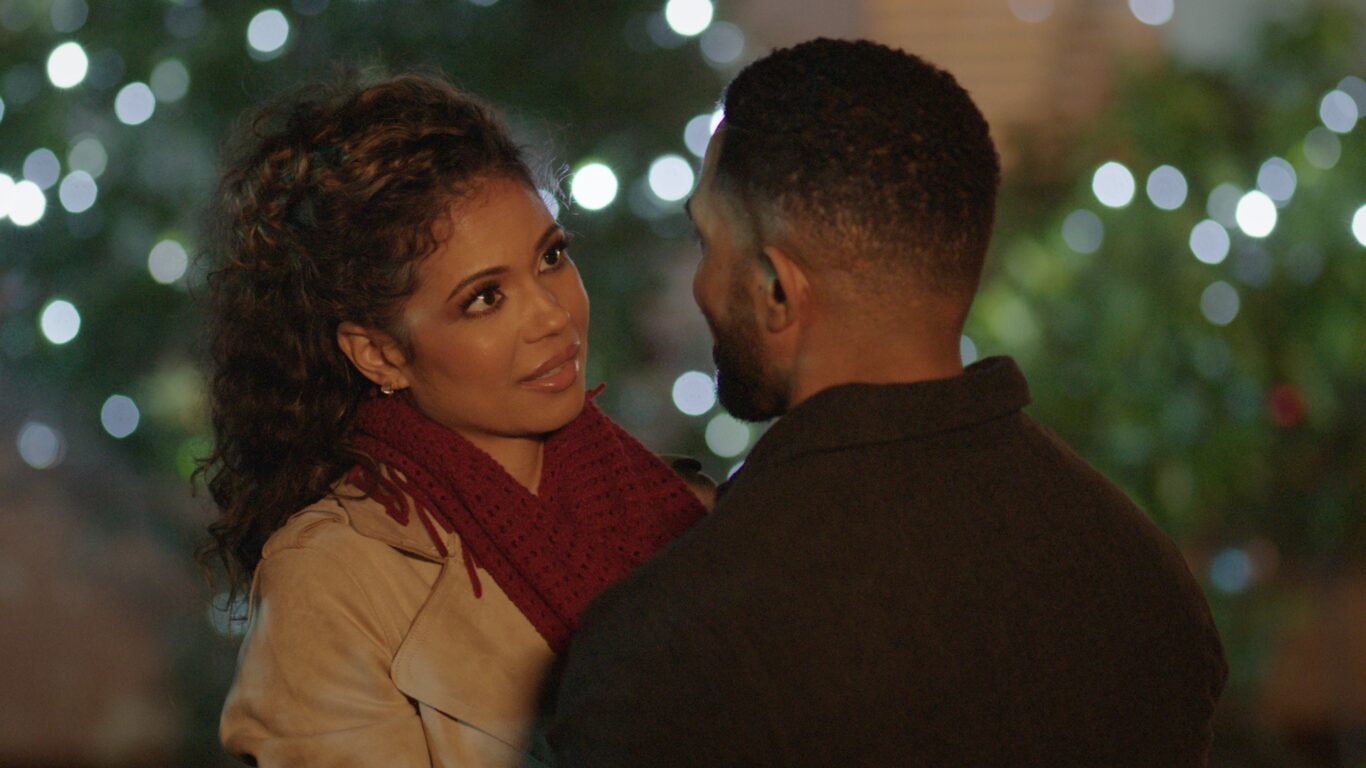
x,y
387,389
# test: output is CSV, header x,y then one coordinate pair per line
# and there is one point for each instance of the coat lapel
x,y
475,659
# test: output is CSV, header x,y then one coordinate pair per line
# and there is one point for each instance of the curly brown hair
x,y
329,198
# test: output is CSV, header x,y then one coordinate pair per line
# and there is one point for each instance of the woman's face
x,y
498,323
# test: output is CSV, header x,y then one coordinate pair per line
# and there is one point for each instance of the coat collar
x,y
369,519
860,414
475,658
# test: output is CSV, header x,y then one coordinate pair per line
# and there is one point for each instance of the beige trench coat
x,y
364,647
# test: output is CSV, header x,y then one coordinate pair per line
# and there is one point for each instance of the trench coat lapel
x,y
474,658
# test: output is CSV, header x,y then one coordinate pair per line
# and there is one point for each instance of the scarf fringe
x,y
606,503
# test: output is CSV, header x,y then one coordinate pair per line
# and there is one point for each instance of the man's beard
x,y
744,385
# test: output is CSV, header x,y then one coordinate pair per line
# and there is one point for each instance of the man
x,y
907,570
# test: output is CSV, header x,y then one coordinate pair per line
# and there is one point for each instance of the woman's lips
x,y
556,374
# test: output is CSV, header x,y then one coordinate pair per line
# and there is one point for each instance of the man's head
x,y
850,185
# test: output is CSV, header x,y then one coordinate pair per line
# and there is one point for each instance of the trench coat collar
x,y
369,518
474,657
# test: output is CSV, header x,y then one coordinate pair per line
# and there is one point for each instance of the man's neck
x,y
845,358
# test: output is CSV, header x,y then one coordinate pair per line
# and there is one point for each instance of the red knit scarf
x,y
604,505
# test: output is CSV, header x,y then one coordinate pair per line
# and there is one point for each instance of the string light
x,y
1256,214
1167,188
594,186
726,436
1154,13
1083,231
1113,185
120,416
1209,241
67,65
59,321
267,31
1219,303
134,104
27,204
689,17
167,262
694,393
40,446
671,178
78,192
1359,225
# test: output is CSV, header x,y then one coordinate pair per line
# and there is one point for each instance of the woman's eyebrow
x,y
481,274
550,232
541,242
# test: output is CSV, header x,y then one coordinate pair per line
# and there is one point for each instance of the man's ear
x,y
376,354
786,292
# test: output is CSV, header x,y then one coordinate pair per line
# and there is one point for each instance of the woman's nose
x,y
548,316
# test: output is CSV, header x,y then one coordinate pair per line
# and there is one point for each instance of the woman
x,y
409,472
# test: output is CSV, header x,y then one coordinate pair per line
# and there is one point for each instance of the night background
x,y
1179,267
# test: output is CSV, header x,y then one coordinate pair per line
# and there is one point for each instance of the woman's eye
x,y
552,258
483,301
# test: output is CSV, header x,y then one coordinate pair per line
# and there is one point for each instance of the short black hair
x,y
871,154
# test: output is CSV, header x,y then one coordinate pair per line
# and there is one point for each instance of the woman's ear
x,y
786,293
376,354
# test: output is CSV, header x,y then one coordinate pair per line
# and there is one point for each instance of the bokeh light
x,y
27,204
1219,303
78,192
1083,231
723,43
689,17
1113,185
40,446
42,168
134,104
1032,11
967,350
67,16
59,321
1359,225
1356,88
1322,148
1222,204
170,81
697,133
671,178
268,31
1167,187
594,186
1256,214
1231,570
88,155
726,436
1277,179
1154,13
1339,112
120,416
694,393
67,65
1209,241
167,261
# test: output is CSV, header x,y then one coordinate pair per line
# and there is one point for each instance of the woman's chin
x,y
557,410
